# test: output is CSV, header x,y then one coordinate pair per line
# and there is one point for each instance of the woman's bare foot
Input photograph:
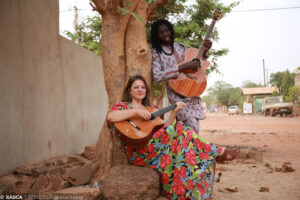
x,y
228,154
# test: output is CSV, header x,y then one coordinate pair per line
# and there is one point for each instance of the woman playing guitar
x,y
185,161
166,56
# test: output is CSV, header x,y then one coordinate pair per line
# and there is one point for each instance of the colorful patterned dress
x,y
185,161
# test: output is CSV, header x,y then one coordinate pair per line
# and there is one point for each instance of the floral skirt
x,y
185,161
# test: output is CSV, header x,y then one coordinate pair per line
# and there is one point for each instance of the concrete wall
x,y
53,99
297,77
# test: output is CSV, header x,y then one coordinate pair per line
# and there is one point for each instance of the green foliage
x,y
157,87
275,93
276,80
294,94
283,81
225,94
288,81
250,84
208,99
125,11
191,24
87,34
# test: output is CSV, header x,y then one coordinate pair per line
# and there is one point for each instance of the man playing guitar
x,y
166,56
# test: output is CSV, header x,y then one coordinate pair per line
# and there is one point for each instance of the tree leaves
x,y
125,11
283,81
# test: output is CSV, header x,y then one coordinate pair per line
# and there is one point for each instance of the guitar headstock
x,y
217,14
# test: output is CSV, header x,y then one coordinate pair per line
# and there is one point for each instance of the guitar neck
x,y
202,47
166,109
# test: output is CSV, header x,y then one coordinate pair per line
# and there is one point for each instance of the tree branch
x,y
98,5
104,5
155,5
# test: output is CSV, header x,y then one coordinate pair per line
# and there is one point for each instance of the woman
x,y
166,57
185,161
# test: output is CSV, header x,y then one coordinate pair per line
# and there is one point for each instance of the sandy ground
x,y
275,139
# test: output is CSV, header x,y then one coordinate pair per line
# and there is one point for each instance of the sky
x,y
254,31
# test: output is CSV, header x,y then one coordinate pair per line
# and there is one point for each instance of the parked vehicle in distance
x,y
275,105
233,110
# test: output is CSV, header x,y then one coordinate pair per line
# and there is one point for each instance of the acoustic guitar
x,y
137,131
193,83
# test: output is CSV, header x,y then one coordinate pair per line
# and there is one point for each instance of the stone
x,y
90,148
130,182
251,154
83,193
56,182
16,184
6,181
81,172
40,184
74,159
90,155
55,170
38,171
24,170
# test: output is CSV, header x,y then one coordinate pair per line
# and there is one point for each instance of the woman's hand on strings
x,y
180,105
145,114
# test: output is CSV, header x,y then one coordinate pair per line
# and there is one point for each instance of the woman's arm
x,y
121,115
172,117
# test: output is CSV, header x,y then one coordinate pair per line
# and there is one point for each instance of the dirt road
x,y
268,169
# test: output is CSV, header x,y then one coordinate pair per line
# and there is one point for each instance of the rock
x,y
90,148
40,183
83,193
130,182
6,181
89,152
24,170
37,171
287,168
55,170
264,189
81,172
250,154
232,189
74,159
15,184
56,182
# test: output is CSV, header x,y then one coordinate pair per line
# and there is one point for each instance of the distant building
x,y
255,96
297,77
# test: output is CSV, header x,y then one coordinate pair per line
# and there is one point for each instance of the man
x,y
166,57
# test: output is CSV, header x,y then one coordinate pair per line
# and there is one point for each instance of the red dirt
x,y
276,138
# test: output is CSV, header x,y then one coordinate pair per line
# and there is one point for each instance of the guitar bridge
x,y
134,125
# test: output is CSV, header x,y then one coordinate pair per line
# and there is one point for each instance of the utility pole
x,y
76,22
264,72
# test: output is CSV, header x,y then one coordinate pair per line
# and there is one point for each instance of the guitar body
x,y
190,87
189,83
132,136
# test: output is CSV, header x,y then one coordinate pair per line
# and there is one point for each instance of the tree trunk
x,y
125,52
138,55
